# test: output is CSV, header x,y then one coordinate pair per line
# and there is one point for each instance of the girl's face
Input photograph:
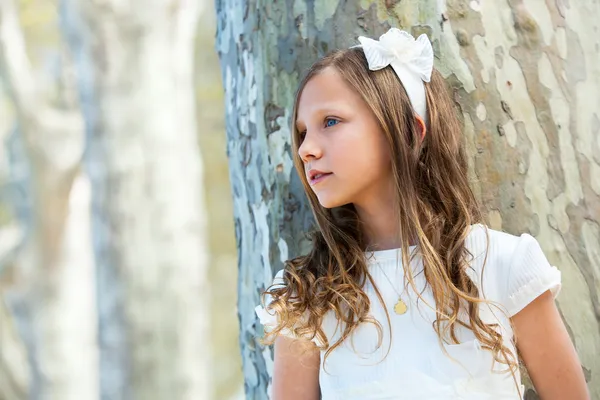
x,y
345,154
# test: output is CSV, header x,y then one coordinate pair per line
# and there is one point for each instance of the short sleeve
x,y
529,275
269,318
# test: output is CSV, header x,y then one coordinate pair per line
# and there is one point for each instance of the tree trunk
x,y
51,290
14,369
524,74
135,60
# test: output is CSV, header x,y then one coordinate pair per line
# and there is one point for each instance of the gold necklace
x,y
400,307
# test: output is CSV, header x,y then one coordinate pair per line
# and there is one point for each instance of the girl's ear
x,y
422,126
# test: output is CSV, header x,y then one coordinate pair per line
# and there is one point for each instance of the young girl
x,y
405,294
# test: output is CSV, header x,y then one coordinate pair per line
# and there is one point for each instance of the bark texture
x,y
525,74
135,63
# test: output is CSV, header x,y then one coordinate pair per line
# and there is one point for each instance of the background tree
x,y
226,371
48,272
525,76
47,277
135,65
14,369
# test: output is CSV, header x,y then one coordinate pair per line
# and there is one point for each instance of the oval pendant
x,y
400,307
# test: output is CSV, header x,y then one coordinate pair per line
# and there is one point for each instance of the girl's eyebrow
x,y
321,111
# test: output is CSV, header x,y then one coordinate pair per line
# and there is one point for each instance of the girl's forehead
x,y
326,90
327,83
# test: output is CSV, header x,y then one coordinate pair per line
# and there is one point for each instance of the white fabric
x,y
411,59
516,272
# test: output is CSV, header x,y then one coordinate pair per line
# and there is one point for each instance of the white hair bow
x,y
411,59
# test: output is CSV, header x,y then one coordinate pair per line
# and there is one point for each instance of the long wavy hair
x,y
435,206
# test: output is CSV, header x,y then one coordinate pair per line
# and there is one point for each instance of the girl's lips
x,y
319,178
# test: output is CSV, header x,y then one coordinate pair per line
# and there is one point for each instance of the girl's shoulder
x,y
498,245
509,269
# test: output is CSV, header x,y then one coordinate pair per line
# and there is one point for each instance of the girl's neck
x,y
381,230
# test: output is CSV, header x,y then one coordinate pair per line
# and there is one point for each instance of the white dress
x,y
516,272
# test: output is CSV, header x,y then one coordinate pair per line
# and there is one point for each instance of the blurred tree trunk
x,y
135,63
226,368
52,272
14,369
524,74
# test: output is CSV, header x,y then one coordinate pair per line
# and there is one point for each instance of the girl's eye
x,y
301,135
329,122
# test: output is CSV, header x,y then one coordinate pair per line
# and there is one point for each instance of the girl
x,y
405,294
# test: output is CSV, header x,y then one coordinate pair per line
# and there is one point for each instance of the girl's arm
x,y
547,351
296,370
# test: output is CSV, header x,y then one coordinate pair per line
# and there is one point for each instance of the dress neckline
x,y
386,255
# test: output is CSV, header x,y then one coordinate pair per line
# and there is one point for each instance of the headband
x,y
411,59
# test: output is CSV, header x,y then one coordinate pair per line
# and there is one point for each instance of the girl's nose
x,y
310,148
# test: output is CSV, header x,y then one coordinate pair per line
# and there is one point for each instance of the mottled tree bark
x,y
525,75
52,271
135,63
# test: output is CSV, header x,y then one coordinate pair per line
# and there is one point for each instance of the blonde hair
x,y
435,206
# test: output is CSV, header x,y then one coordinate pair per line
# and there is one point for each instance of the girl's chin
x,y
331,202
